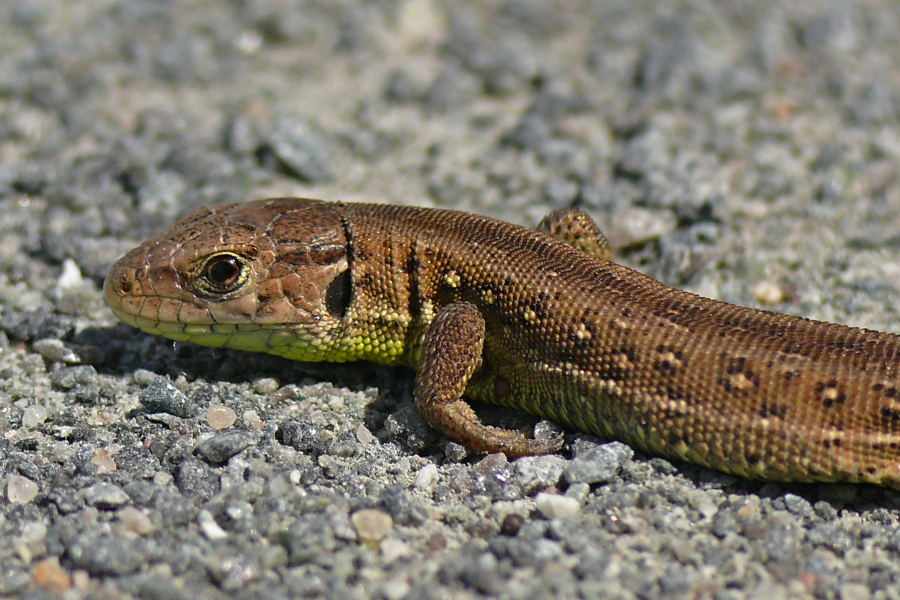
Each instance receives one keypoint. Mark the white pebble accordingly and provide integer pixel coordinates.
(55, 351)
(264, 386)
(220, 417)
(392, 549)
(70, 276)
(363, 435)
(426, 477)
(421, 21)
(21, 490)
(103, 461)
(209, 527)
(554, 506)
(144, 377)
(372, 525)
(33, 416)
(252, 420)
(135, 520)
(33, 531)
(767, 292)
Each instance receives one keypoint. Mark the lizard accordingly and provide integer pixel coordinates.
(538, 320)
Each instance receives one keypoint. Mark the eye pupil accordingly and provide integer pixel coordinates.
(224, 271)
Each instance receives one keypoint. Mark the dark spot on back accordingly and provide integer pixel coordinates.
(772, 410)
(890, 413)
(412, 270)
(737, 365)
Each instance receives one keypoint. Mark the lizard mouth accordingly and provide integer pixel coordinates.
(160, 316)
(123, 293)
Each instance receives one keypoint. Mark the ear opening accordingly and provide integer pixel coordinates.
(338, 294)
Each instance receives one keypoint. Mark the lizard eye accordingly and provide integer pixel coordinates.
(223, 273)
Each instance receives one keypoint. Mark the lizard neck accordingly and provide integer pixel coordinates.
(382, 310)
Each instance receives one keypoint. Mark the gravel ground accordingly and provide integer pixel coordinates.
(747, 151)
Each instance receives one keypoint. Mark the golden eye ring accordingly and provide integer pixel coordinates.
(223, 273)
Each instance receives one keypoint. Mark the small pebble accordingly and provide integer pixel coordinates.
(223, 446)
(280, 486)
(454, 452)
(300, 149)
(420, 21)
(81, 580)
(599, 464)
(135, 520)
(855, 591)
(767, 292)
(252, 420)
(511, 524)
(55, 351)
(162, 396)
(33, 532)
(436, 541)
(288, 392)
(144, 377)
(363, 435)
(33, 416)
(491, 462)
(554, 506)
(162, 478)
(392, 549)
(220, 417)
(105, 495)
(634, 225)
(701, 501)
(372, 525)
(395, 589)
(21, 490)
(578, 491)
(103, 461)
(426, 477)
(209, 527)
(264, 386)
(70, 277)
(537, 473)
(49, 575)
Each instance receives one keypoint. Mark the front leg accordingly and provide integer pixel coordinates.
(451, 353)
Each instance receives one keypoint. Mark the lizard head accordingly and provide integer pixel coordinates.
(269, 276)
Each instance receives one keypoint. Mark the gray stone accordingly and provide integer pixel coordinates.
(223, 446)
(301, 149)
(161, 396)
(536, 473)
(598, 465)
(105, 496)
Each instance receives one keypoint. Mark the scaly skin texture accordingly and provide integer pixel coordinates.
(539, 321)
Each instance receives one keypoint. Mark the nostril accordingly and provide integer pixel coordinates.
(125, 286)
(122, 282)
